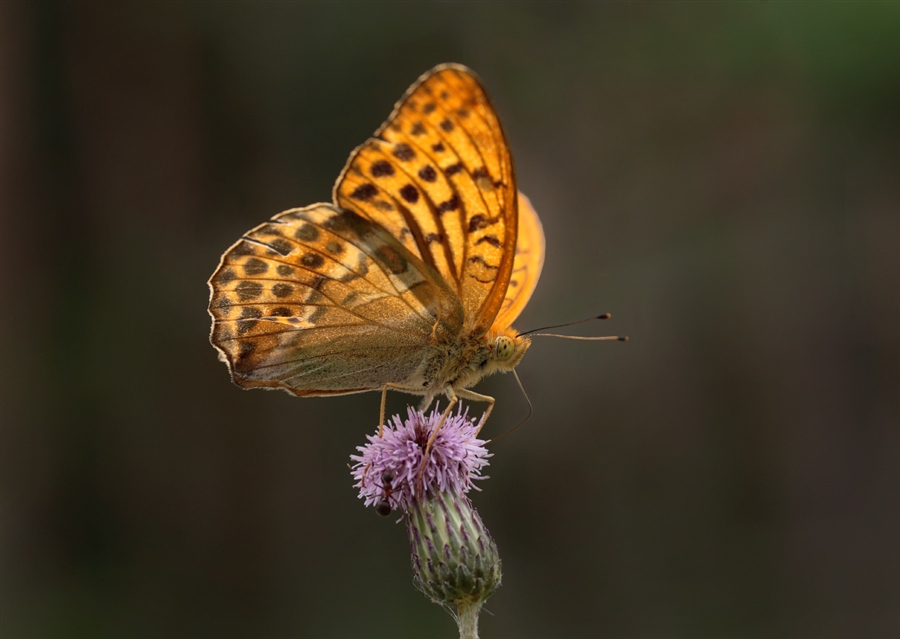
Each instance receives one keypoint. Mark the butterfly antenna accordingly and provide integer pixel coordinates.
(527, 417)
(604, 316)
(607, 338)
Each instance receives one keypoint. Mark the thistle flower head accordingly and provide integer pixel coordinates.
(454, 560)
(387, 469)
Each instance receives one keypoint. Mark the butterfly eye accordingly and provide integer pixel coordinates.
(505, 348)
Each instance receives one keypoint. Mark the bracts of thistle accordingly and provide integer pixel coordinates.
(455, 562)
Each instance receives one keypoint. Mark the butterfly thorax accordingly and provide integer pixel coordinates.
(473, 357)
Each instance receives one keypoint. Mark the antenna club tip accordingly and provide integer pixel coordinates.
(604, 316)
(623, 339)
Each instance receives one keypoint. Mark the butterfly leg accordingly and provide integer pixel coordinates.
(384, 403)
(381, 419)
(465, 393)
(454, 400)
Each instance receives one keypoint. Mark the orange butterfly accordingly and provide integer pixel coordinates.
(410, 280)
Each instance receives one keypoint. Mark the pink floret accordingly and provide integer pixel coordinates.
(387, 467)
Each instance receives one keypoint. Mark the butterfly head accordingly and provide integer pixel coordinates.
(507, 350)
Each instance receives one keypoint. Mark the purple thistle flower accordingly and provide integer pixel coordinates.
(387, 469)
(454, 560)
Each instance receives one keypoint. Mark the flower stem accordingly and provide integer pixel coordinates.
(467, 618)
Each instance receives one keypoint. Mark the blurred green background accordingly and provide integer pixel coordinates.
(724, 179)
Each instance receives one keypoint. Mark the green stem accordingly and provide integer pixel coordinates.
(467, 618)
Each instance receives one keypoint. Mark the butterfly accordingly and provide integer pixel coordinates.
(409, 279)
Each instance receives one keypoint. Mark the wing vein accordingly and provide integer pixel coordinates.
(394, 294)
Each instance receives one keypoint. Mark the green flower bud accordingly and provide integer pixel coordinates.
(454, 559)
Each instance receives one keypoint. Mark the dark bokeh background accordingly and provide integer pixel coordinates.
(722, 178)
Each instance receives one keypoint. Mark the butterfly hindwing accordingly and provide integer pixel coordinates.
(439, 176)
(322, 301)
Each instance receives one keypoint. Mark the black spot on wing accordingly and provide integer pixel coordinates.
(427, 173)
(280, 246)
(248, 319)
(392, 259)
(489, 239)
(344, 224)
(248, 290)
(282, 289)
(223, 277)
(450, 205)
(404, 152)
(477, 222)
(271, 229)
(246, 348)
(410, 193)
(243, 248)
(364, 192)
(255, 266)
(307, 233)
(381, 168)
(312, 260)
(477, 259)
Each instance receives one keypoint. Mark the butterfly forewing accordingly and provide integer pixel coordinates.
(320, 301)
(439, 177)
